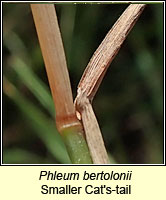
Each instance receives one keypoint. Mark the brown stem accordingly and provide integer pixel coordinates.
(94, 74)
(53, 53)
(55, 62)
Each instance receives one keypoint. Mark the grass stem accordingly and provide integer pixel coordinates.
(55, 62)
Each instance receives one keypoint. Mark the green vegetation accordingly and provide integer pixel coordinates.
(128, 105)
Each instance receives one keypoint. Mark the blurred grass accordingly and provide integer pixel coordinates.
(128, 105)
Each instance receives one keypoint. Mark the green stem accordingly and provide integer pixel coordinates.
(76, 146)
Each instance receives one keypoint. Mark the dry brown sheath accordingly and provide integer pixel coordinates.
(94, 74)
(55, 63)
(107, 50)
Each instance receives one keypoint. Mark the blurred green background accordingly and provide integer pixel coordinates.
(128, 105)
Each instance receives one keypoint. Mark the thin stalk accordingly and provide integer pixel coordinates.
(55, 62)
